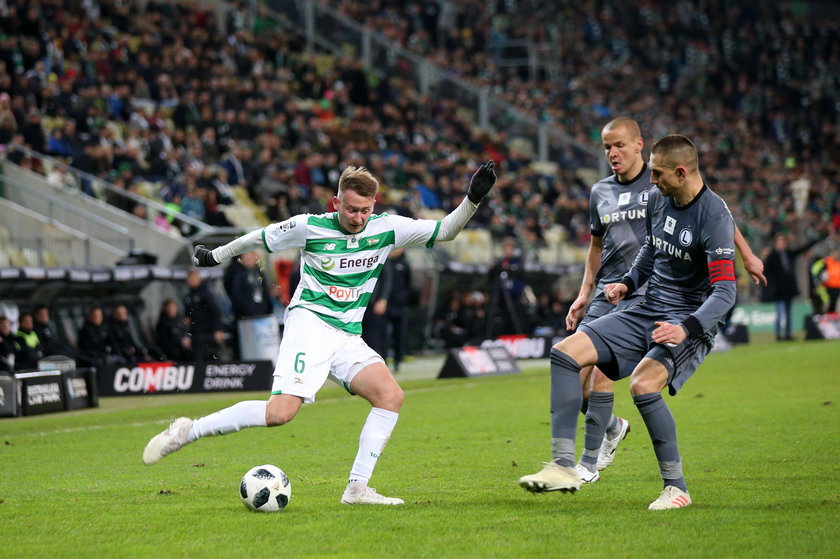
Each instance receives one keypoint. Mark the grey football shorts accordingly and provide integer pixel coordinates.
(601, 307)
(622, 339)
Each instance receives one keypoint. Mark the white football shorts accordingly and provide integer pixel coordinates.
(312, 351)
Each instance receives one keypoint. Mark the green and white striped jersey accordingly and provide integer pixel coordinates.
(338, 270)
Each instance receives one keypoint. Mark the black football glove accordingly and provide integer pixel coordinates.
(481, 183)
(203, 258)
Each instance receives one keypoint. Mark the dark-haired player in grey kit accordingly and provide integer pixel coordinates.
(688, 263)
(617, 217)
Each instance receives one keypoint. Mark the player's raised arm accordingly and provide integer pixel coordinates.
(480, 184)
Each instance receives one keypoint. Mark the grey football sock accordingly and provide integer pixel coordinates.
(613, 427)
(566, 397)
(663, 434)
(600, 411)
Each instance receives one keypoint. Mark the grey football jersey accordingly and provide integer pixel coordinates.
(617, 214)
(688, 259)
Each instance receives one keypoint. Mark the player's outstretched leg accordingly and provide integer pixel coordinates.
(182, 431)
(560, 474)
(171, 439)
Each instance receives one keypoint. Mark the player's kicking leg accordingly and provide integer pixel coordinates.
(278, 410)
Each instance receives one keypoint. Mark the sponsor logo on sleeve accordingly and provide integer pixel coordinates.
(286, 226)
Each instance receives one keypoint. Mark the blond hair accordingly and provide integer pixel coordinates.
(359, 180)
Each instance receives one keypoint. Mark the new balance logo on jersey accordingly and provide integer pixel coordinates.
(358, 262)
(625, 215)
(671, 250)
(346, 294)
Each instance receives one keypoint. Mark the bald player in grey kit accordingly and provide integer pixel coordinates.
(688, 264)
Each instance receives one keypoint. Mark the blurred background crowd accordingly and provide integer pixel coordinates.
(205, 108)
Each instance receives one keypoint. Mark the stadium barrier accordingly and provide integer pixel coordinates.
(822, 327)
(471, 361)
(169, 377)
(522, 346)
(48, 391)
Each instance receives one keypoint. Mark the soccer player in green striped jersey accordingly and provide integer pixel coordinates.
(342, 255)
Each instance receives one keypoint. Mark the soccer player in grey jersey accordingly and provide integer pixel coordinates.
(617, 208)
(687, 261)
(342, 255)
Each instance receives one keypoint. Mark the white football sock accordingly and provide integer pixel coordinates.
(375, 434)
(250, 413)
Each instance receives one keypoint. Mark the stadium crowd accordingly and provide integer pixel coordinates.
(180, 107)
(176, 107)
(166, 105)
(751, 81)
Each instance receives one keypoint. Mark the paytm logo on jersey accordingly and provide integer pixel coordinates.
(345, 294)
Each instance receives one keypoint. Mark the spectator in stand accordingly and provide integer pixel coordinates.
(782, 285)
(375, 321)
(51, 343)
(7, 346)
(27, 345)
(403, 296)
(172, 332)
(95, 345)
(124, 340)
(202, 314)
(248, 291)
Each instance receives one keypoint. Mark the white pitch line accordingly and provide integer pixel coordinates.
(339, 400)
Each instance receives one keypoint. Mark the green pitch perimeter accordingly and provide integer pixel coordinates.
(758, 431)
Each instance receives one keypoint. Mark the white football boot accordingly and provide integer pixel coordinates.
(167, 442)
(585, 475)
(552, 478)
(609, 446)
(358, 493)
(672, 497)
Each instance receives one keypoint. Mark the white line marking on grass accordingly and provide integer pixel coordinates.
(335, 400)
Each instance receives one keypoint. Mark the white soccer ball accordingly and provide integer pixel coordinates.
(265, 488)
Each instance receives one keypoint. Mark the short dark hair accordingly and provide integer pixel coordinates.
(676, 149)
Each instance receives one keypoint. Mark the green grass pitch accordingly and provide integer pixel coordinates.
(759, 435)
